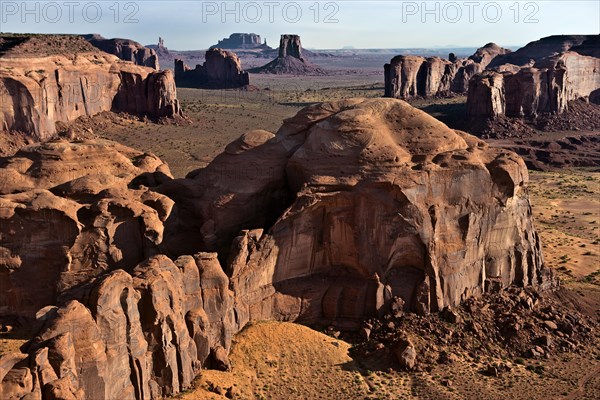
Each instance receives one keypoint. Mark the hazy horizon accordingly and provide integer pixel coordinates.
(194, 25)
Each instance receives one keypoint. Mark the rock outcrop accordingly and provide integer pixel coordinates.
(549, 46)
(221, 70)
(371, 213)
(289, 60)
(408, 76)
(138, 335)
(242, 41)
(36, 92)
(67, 215)
(352, 206)
(528, 92)
(125, 49)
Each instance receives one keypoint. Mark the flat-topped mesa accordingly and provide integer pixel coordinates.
(290, 45)
(125, 49)
(36, 92)
(241, 41)
(221, 70)
(408, 76)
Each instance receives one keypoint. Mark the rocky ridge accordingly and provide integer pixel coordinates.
(408, 76)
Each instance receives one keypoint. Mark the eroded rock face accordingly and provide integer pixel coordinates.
(67, 215)
(549, 46)
(36, 93)
(409, 76)
(221, 70)
(142, 335)
(386, 202)
(546, 87)
(125, 49)
(290, 45)
(372, 204)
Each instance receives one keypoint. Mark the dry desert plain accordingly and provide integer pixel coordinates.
(273, 360)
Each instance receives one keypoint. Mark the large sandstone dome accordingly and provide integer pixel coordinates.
(362, 201)
(350, 207)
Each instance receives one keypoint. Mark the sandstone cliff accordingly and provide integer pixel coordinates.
(125, 49)
(349, 205)
(36, 92)
(410, 76)
(221, 70)
(546, 87)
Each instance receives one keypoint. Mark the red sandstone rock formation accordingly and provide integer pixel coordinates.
(410, 76)
(527, 92)
(221, 70)
(66, 216)
(289, 60)
(37, 92)
(372, 200)
(125, 49)
(338, 160)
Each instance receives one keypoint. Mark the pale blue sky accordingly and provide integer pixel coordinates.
(363, 24)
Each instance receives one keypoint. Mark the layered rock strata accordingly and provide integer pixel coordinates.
(36, 93)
